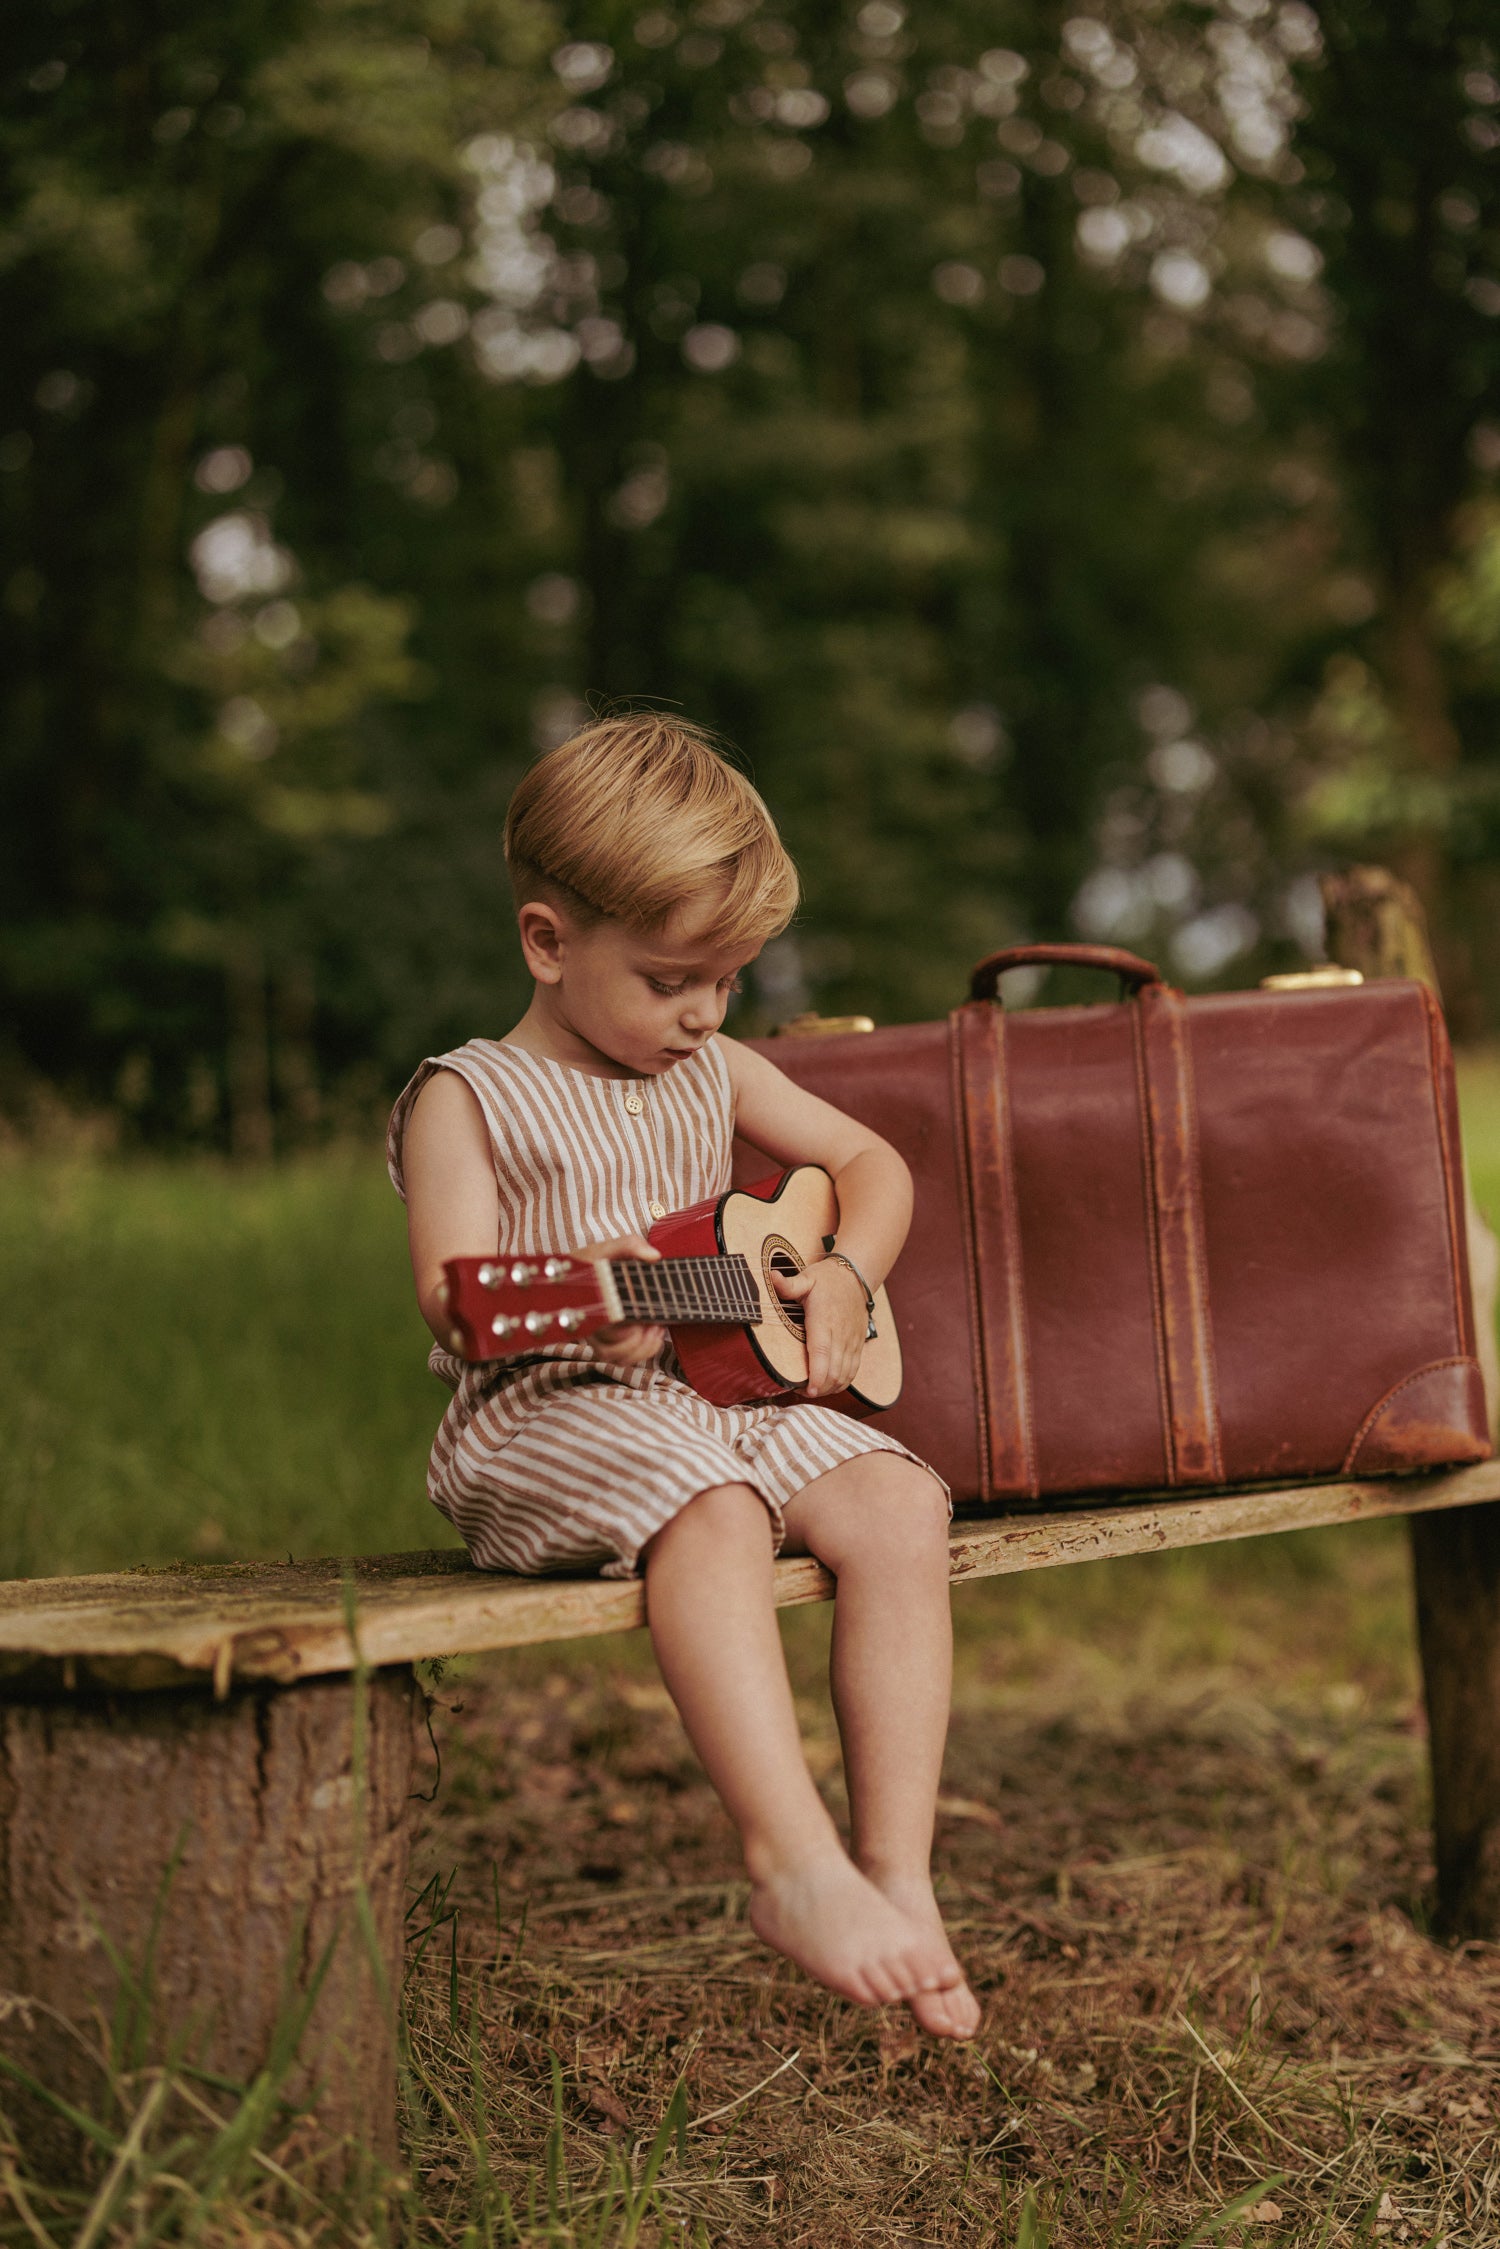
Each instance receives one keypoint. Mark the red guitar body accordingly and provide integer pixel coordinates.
(738, 1366)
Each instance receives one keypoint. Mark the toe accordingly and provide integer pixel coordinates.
(886, 1983)
(936, 1970)
(930, 2011)
(953, 2013)
(915, 1973)
(965, 2011)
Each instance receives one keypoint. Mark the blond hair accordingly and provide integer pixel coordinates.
(636, 815)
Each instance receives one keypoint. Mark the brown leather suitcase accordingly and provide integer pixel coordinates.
(1166, 1242)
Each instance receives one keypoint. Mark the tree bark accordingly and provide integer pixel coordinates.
(219, 1848)
(1416, 673)
(1375, 924)
(1418, 684)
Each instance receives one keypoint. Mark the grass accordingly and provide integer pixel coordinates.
(207, 1362)
(1479, 1105)
(1182, 1841)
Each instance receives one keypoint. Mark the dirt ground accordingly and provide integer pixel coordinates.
(1184, 1854)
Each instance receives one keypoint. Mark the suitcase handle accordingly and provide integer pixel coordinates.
(1132, 971)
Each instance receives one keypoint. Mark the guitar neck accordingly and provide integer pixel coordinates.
(690, 1291)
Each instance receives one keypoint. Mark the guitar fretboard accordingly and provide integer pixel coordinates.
(694, 1290)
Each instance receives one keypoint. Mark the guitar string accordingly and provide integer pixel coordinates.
(696, 1289)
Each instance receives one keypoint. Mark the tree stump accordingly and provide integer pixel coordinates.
(1375, 924)
(219, 1846)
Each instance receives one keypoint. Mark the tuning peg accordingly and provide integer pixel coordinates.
(504, 1324)
(490, 1276)
(536, 1322)
(456, 1342)
(555, 1268)
(571, 1319)
(521, 1273)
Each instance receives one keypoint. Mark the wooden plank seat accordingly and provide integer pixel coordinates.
(235, 1624)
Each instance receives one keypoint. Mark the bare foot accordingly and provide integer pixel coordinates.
(951, 2011)
(834, 1923)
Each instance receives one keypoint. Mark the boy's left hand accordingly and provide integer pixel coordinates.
(628, 1345)
(833, 1305)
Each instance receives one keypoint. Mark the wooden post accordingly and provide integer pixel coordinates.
(1456, 1568)
(1375, 924)
(243, 1828)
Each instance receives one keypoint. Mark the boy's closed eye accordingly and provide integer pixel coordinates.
(730, 984)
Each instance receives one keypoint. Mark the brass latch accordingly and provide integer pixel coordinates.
(812, 1026)
(1325, 979)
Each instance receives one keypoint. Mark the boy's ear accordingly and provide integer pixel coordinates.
(543, 933)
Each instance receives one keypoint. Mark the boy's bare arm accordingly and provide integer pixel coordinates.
(875, 1196)
(453, 1206)
(452, 1203)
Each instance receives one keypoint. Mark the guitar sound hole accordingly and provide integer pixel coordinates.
(788, 1268)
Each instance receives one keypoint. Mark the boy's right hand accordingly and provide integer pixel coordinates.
(629, 1346)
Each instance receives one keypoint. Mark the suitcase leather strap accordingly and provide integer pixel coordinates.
(997, 1327)
(1184, 1334)
(1188, 1384)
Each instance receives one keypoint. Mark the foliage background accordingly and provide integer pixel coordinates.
(1059, 448)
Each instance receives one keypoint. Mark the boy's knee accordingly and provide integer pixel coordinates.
(895, 1516)
(721, 1512)
(890, 1479)
(736, 1503)
(914, 1507)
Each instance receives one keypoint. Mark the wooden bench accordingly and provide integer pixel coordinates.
(242, 1736)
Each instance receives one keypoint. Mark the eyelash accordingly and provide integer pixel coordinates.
(731, 984)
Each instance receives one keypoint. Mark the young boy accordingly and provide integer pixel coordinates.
(647, 874)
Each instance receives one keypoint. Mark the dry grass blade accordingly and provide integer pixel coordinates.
(126, 2156)
(697, 2123)
(13, 2186)
(1209, 2229)
(1271, 2131)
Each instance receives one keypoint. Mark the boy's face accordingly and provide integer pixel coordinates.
(643, 1001)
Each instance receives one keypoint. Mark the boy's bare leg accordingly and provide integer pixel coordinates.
(710, 1602)
(880, 1525)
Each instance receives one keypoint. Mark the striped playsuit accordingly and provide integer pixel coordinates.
(571, 1458)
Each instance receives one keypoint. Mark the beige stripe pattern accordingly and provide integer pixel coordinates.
(571, 1459)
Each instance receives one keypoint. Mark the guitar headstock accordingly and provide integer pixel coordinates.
(499, 1307)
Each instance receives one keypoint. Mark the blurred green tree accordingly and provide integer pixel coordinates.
(1407, 220)
(225, 496)
(923, 453)
(1009, 426)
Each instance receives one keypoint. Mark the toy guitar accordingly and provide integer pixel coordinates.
(736, 1340)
